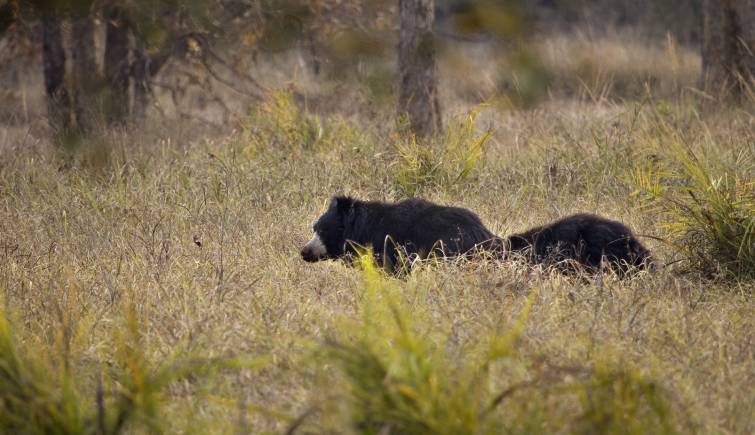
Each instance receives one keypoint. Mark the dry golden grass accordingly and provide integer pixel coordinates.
(192, 246)
(614, 67)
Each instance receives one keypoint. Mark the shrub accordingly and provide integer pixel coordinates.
(708, 204)
(41, 390)
(416, 166)
(278, 123)
(401, 373)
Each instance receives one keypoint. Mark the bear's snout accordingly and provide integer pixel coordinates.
(306, 255)
(314, 250)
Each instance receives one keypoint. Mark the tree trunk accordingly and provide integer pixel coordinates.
(85, 74)
(728, 50)
(745, 9)
(141, 76)
(7, 17)
(418, 93)
(313, 51)
(144, 67)
(54, 64)
(116, 65)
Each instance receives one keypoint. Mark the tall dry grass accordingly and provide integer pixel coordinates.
(150, 279)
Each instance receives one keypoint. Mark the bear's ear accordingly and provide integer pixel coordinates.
(343, 204)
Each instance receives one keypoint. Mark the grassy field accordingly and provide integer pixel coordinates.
(151, 281)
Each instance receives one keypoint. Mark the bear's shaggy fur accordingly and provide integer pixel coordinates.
(583, 238)
(419, 228)
(414, 227)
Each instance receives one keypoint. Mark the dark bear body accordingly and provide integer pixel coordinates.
(419, 228)
(414, 227)
(585, 238)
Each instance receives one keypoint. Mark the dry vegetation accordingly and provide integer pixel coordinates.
(150, 279)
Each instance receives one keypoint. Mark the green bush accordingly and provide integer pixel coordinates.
(42, 391)
(400, 372)
(416, 166)
(278, 123)
(708, 204)
(621, 401)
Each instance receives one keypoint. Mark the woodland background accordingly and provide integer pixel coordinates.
(161, 163)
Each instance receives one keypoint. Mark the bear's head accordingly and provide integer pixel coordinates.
(329, 238)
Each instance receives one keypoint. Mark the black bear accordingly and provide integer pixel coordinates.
(583, 238)
(419, 228)
(414, 227)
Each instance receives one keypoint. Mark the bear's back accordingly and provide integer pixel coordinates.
(419, 227)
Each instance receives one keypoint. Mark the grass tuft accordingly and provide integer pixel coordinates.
(279, 123)
(418, 166)
(708, 204)
(42, 392)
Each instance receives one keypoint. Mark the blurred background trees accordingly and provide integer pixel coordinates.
(54, 61)
(728, 46)
(103, 60)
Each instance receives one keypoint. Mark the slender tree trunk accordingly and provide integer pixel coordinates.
(54, 64)
(87, 80)
(312, 34)
(141, 76)
(144, 67)
(116, 65)
(7, 16)
(745, 9)
(418, 93)
(728, 50)
(313, 51)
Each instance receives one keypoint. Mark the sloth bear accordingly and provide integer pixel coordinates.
(583, 238)
(419, 228)
(414, 227)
